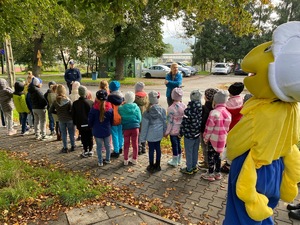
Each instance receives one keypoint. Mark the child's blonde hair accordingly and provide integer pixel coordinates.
(103, 85)
(53, 88)
(61, 92)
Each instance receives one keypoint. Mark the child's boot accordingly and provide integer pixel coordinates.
(150, 168)
(173, 161)
(143, 146)
(157, 166)
(179, 159)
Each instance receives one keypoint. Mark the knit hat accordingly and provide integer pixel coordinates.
(101, 95)
(51, 83)
(82, 91)
(19, 86)
(221, 97)
(195, 95)
(36, 81)
(114, 85)
(247, 97)
(236, 88)
(129, 97)
(153, 97)
(75, 85)
(209, 94)
(177, 94)
(139, 86)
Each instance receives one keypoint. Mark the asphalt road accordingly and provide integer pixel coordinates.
(189, 84)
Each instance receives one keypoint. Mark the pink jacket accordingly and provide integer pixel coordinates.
(174, 118)
(217, 127)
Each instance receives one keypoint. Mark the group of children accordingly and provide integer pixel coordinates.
(115, 121)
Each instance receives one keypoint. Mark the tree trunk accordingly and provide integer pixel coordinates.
(9, 61)
(36, 69)
(64, 60)
(119, 75)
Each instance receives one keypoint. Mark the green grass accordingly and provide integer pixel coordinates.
(21, 182)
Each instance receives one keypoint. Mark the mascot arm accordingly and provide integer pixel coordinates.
(239, 138)
(291, 175)
(256, 204)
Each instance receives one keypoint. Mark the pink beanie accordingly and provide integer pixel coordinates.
(177, 94)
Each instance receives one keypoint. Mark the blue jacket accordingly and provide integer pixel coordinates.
(100, 129)
(72, 75)
(154, 124)
(173, 83)
(131, 116)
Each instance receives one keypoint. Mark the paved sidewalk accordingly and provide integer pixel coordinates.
(195, 198)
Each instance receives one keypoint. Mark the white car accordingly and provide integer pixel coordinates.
(221, 68)
(159, 71)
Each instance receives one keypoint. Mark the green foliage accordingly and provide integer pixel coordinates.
(21, 181)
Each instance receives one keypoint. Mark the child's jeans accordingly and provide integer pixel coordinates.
(214, 159)
(131, 134)
(64, 126)
(154, 146)
(176, 147)
(23, 120)
(99, 142)
(9, 120)
(191, 147)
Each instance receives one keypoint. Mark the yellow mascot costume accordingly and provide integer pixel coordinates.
(262, 145)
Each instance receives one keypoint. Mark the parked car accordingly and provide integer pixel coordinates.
(159, 71)
(184, 71)
(221, 68)
(193, 69)
(238, 70)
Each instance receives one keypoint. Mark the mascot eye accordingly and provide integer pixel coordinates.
(268, 49)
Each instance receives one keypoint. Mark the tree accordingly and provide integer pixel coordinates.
(169, 49)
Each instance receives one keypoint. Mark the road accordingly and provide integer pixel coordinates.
(189, 84)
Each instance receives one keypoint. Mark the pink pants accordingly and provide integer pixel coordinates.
(132, 134)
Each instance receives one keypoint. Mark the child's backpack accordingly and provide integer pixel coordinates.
(117, 117)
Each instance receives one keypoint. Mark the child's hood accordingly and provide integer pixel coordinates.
(107, 105)
(156, 111)
(19, 88)
(61, 100)
(3, 84)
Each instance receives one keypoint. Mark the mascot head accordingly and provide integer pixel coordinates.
(274, 66)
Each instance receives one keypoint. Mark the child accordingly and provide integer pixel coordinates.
(21, 106)
(130, 118)
(141, 99)
(50, 117)
(174, 118)
(116, 98)
(74, 93)
(30, 118)
(100, 121)
(63, 106)
(206, 108)
(153, 128)
(51, 97)
(215, 134)
(234, 106)
(80, 113)
(39, 105)
(190, 129)
(103, 85)
(7, 105)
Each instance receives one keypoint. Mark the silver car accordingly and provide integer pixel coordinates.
(184, 71)
(159, 71)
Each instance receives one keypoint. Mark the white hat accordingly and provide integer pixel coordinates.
(284, 75)
(129, 97)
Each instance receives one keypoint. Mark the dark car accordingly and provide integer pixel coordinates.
(238, 70)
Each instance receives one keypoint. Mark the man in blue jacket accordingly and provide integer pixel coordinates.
(72, 74)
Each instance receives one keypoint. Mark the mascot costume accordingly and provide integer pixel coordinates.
(262, 145)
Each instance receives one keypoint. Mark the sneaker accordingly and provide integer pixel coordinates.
(100, 164)
(107, 162)
(114, 155)
(38, 137)
(185, 171)
(125, 162)
(25, 133)
(218, 176)
(45, 138)
(120, 151)
(208, 176)
(134, 161)
(64, 150)
(84, 155)
(225, 168)
(90, 153)
(72, 149)
(195, 170)
(150, 168)
(12, 132)
(203, 165)
(53, 133)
